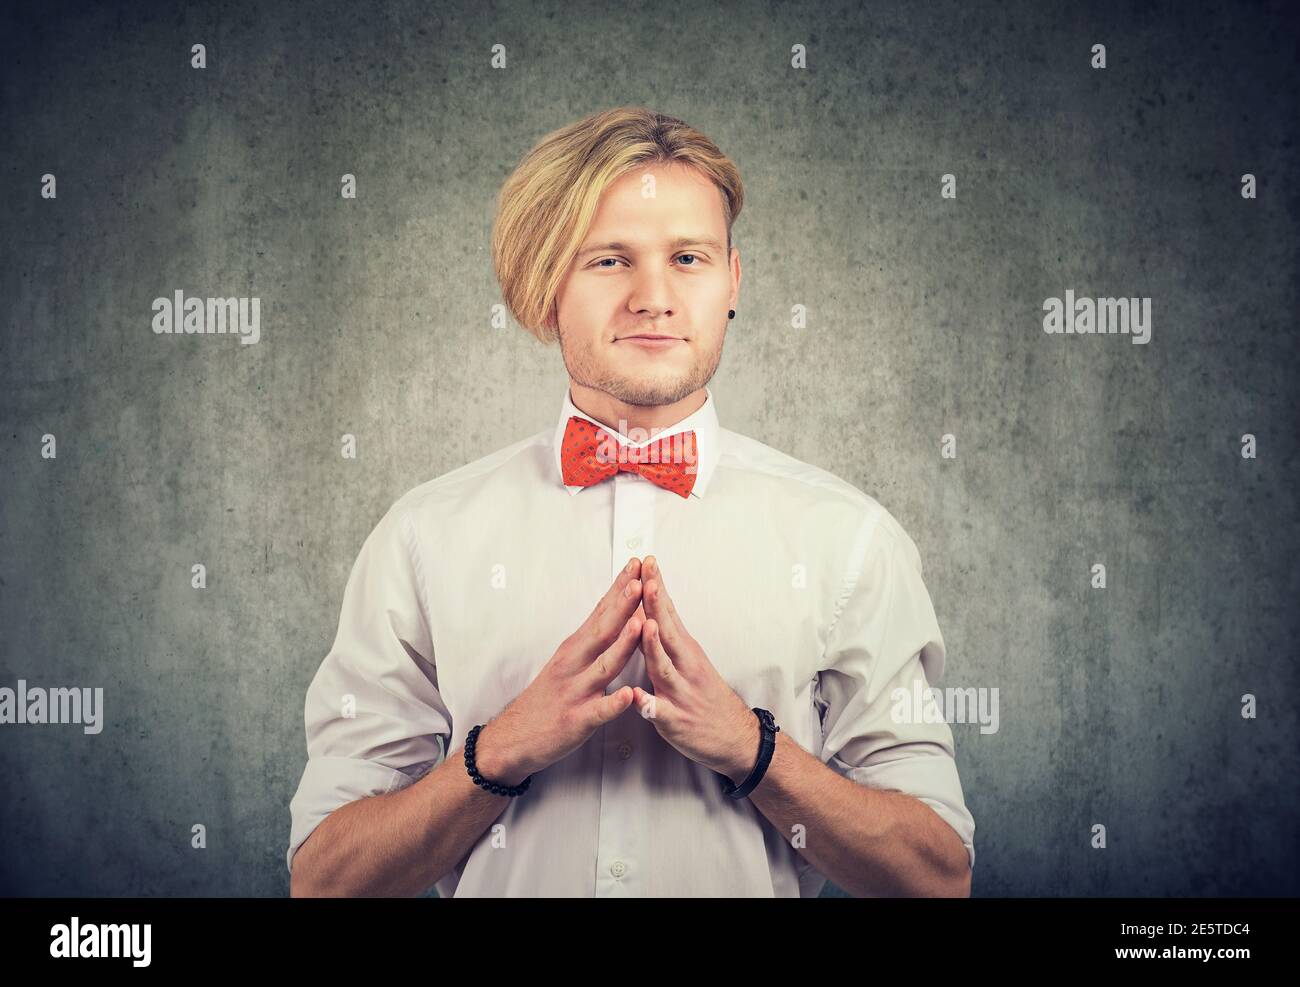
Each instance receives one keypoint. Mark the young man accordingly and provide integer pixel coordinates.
(635, 654)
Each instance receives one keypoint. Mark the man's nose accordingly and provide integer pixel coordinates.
(651, 294)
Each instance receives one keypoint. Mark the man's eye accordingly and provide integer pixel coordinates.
(600, 262)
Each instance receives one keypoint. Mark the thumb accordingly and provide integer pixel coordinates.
(649, 705)
(608, 707)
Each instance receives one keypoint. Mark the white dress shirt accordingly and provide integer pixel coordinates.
(804, 592)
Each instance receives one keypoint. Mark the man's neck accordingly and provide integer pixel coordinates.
(611, 412)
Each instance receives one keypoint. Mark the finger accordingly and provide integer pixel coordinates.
(650, 706)
(611, 661)
(605, 708)
(659, 606)
(585, 643)
(658, 663)
(630, 571)
(602, 629)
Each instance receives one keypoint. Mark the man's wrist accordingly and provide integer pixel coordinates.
(494, 759)
(745, 755)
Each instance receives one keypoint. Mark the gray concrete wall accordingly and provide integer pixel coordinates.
(1119, 707)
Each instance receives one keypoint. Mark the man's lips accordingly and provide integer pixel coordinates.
(651, 341)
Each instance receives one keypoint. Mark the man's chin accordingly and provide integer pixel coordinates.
(650, 391)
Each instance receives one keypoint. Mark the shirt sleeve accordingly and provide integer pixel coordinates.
(375, 719)
(886, 638)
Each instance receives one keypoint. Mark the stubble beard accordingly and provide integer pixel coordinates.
(650, 391)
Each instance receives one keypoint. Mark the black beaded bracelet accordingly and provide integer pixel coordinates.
(491, 786)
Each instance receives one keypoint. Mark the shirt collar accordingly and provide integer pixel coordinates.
(703, 421)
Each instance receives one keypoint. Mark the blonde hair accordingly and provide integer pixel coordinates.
(546, 206)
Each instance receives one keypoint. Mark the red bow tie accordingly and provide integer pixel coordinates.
(590, 454)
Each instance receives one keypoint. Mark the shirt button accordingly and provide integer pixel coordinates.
(618, 868)
(633, 542)
(625, 751)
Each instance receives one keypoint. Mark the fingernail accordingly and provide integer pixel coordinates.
(627, 591)
(630, 563)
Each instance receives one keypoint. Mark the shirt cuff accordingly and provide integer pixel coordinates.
(930, 777)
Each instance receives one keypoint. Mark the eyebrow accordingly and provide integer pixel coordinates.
(681, 241)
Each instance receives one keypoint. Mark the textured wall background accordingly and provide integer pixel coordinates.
(1119, 706)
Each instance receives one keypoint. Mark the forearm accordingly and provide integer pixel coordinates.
(867, 841)
(398, 845)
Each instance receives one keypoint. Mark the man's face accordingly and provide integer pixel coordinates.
(654, 262)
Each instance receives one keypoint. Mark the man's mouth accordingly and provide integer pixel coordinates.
(651, 340)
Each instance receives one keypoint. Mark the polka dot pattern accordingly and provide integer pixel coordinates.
(590, 454)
